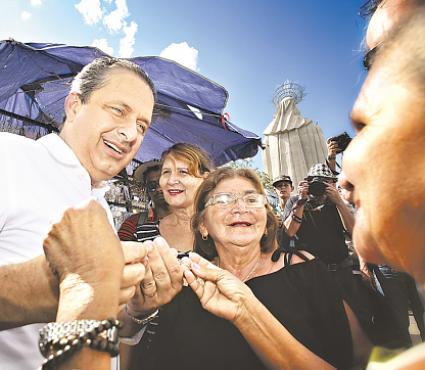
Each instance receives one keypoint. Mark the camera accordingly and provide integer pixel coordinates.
(316, 187)
(342, 141)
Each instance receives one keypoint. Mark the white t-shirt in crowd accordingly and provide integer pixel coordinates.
(39, 180)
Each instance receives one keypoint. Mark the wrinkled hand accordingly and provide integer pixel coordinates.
(85, 254)
(303, 189)
(84, 244)
(333, 194)
(163, 278)
(219, 292)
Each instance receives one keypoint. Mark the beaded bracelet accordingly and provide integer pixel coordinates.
(63, 339)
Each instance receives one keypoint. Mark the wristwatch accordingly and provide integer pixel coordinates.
(54, 334)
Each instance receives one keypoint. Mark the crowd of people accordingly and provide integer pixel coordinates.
(211, 277)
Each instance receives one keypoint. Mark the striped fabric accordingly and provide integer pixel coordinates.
(147, 231)
(128, 228)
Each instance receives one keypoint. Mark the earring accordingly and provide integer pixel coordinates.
(204, 237)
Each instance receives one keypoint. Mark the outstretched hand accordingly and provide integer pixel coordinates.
(219, 292)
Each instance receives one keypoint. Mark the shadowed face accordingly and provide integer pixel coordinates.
(154, 190)
(386, 164)
(283, 189)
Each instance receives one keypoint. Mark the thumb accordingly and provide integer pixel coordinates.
(208, 271)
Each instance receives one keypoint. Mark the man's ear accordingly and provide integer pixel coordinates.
(72, 105)
(205, 174)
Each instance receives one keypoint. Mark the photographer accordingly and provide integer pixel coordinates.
(319, 217)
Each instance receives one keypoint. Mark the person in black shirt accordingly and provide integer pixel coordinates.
(319, 218)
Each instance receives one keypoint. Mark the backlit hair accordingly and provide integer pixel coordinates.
(198, 160)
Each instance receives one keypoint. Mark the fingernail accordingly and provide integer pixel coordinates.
(196, 267)
(160, 241)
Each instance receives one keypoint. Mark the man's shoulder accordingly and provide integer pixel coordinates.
(17, 146)
(14, 139)
(17, 149)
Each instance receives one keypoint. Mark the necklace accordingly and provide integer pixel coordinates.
(250, 272)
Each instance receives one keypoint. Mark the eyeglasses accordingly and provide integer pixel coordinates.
(152, 185)
(223, 200)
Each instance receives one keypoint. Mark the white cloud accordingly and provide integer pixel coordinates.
(90, 10)
(35, 2)
(115, 20)
(102, 44)
(128, 41)
(25, 15)
(183, 54)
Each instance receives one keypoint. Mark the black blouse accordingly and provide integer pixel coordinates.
(303, 297)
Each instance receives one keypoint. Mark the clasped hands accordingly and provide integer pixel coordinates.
(93, 265)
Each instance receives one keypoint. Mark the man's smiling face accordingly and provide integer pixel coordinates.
(106, 132)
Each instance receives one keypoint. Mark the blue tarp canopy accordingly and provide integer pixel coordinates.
(36, 77)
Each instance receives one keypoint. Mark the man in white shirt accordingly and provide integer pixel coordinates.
(108, 112)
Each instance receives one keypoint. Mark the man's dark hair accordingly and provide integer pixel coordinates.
(94, 76)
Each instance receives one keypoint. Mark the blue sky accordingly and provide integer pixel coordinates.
(249, 47)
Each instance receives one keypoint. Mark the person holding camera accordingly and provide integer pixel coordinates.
(318, 220)
(319, 217)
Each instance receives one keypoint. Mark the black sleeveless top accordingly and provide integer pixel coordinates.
(303, 297)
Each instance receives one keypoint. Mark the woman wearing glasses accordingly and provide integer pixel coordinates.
(243, 310)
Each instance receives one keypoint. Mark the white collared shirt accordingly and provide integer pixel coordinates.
(38, 181)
